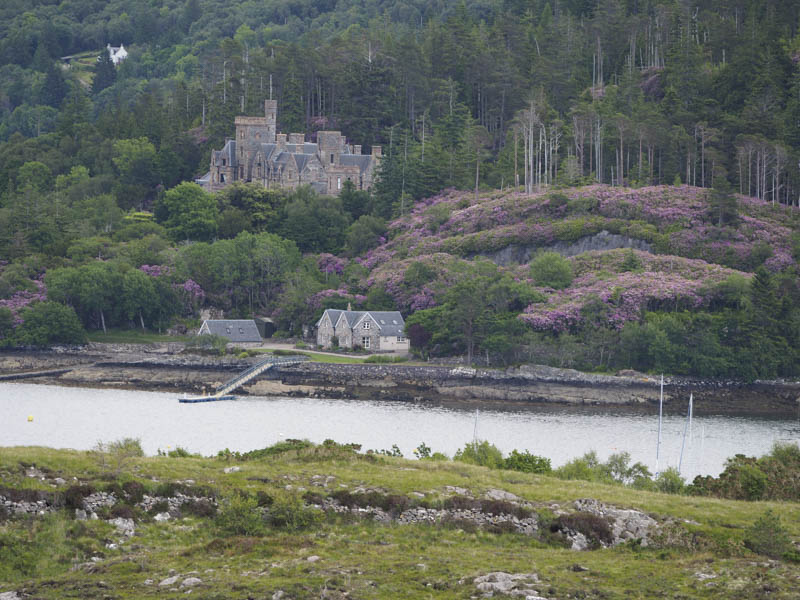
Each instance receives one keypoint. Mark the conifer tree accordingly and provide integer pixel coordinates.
(105, 73)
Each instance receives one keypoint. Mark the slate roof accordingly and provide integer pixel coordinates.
(234, 330)
(389, 322)
(228, 152)
(361, 161)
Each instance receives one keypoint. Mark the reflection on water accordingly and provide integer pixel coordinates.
(79, 418)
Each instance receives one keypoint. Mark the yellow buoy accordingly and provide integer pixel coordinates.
(30, 418)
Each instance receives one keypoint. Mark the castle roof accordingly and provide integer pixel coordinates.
(362, 161)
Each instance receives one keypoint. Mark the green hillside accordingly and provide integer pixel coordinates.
(302, 521)
(665, 137)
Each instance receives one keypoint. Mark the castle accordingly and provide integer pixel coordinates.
(260, 154)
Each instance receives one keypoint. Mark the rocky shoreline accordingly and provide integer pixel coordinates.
(163, 367)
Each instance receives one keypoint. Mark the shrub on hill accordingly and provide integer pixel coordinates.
(775, 476)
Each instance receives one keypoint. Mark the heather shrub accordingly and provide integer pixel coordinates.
(121, 510)
(198, 508)
(596, 529)
(134, 491)
(74, 495)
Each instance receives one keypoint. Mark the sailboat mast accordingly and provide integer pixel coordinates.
(475, 430)
(685, 431)
(660, 414)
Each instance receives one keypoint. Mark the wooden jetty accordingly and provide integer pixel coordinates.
(223, 392)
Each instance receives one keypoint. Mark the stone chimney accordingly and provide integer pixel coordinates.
(376, 151)
(297, 138)
(357, 149)
(349, 307)
(280, 140)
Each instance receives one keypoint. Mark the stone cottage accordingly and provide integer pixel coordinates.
(236, 330)
(259, 154)
(376, 331)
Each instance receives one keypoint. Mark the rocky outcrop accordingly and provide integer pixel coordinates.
(519, 254)
(626, 524)
(518, 585)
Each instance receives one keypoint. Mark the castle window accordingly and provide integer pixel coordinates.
(222, 178)
(338, 183)
(224, 162)
(331, 158)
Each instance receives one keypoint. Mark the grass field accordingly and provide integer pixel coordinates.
(133, 336)
(700, 555)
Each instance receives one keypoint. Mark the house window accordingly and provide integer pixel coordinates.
(241, 331)
(400, 338)
(228, 330)
(365, 342)
(366, 324)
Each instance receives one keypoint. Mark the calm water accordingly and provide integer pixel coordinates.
(79, 418)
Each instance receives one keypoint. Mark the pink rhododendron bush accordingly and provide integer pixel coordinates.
(674, 220)
(654, 283)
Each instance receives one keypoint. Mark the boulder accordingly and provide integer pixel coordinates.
(169, 581)
(124, 527)
(502, 495)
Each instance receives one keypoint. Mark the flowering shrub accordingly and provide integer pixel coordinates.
(24, 298)
(664, 283)
(328, 298)
(673, 219)
(156, 270)
(330, 264)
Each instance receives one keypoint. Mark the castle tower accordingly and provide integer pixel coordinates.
(330, 147)
(251, 132)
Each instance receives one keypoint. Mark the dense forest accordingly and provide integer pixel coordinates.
(527, 97)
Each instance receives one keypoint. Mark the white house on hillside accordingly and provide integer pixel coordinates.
(376, 331)
(117, 53)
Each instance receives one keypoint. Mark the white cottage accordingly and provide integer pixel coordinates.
(117, 53)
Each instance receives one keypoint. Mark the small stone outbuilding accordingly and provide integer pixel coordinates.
(238, 331)
(376, 331)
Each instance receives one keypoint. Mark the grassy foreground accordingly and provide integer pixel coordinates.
(306, 553)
